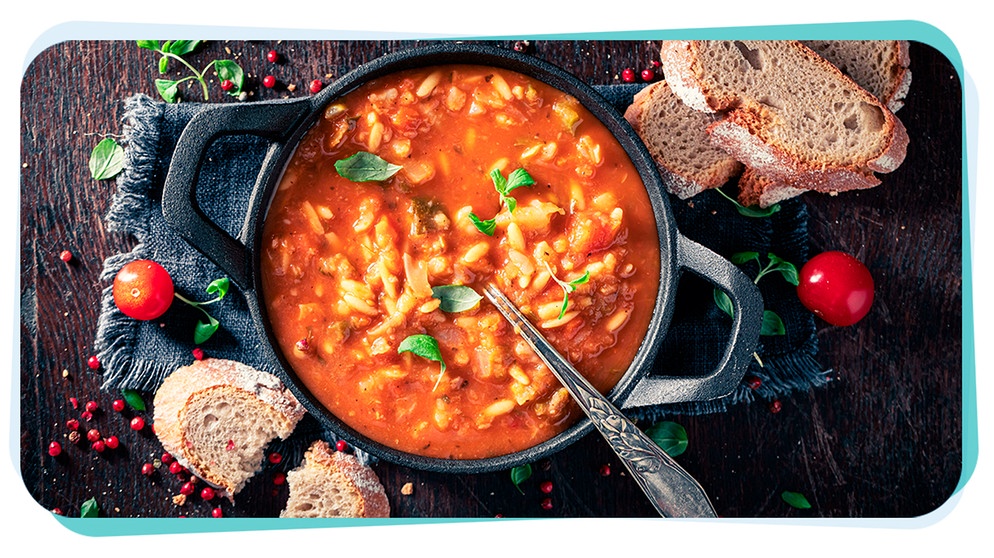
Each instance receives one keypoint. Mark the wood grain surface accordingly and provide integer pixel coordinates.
(883, 439)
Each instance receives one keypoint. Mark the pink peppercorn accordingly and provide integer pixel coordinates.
(198, 353)
(137, 423)
(216, 512)
(54, 449)
(118, 405)
(316, 86)
(112, 442)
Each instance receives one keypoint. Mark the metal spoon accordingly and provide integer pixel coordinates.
(672, 491)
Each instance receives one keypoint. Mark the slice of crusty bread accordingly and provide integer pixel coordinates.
(217, 416)
(792, 115)
(880, 67)
(676, 137)
(334, 484)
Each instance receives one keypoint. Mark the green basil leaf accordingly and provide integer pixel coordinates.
(150, 45)
(456, 298)
(168, 89)
(510, 202)
(787, 270)
(365, 167)
(486, 227)
(517, 179)
(180, 48)
(219, 287)
(723, 302)
(740, 258)
(163, 65)
(134, 399)
(796, 500)
(424, 346)
(669, 436)
(106, 159)
(500, 183)
(228, 69)
(89, 509)
(772, 324)
(520, 474)
(203, 331)
(755, 212)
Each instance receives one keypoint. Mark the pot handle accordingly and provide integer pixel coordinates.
(274, 121)
(747, 303)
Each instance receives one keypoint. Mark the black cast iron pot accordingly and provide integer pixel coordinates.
(283, 123)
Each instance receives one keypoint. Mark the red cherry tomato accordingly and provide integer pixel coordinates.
(836, 287)
(143, 290)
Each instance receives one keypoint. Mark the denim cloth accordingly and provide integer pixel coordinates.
(138, 355)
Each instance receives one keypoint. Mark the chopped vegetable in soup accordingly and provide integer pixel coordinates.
(403, 201)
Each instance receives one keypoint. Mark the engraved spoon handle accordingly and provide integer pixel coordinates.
(672, 491)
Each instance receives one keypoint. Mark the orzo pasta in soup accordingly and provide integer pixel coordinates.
(403, 201)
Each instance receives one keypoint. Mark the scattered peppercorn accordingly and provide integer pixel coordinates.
(341, 445)
(72, 424)
(65, 256)
(775, 406)
(546, 503)
(58, 511)
(648, 74)
(137, 423)
(86, 415)
(628, 75)
(279, 477)
(545, 487)
(656, 64)
(273, 56)
(112, 442)
(316, 85)
(93, 435)
(227, 85)
(275, 458)
(605, 470)
(99, 446)
(92, 406)
(74, 436)
(216, 512)
(753, 382)
(54, 449)
(186, 489)
(74, 402)
(166, 458)
(207, 494)
(148, 469)
(93, 362)
(522, 46)
(117, 405)
(198, 353)
(269, 82)
(175, 468)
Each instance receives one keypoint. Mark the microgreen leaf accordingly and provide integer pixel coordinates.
(740, 258)
(228, 69)
(150, 45)
(89, 509)
(520, 474)
(772, 324)
(796, 500)
(786, 269)
(204, 330)
(669, 436)
(510, 202)
(219, 287)
(500, 183)
(456, 298)
(163, 65)
(134, 399)
(365, 167)
(486, 227)
(581, 280)
(518, 178)
(168, 89)
(724, 302)
(752, 211)
(180, 48)
(106, 159)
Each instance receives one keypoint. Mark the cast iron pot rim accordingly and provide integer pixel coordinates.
(456, 53)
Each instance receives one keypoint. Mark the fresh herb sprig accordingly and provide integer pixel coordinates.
(424, 346)
(175, 50)
(567, 286)
(772, 323)
(751, 211)
(204, 330)
(504, 186)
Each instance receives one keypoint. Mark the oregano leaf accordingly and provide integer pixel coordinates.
(487, 227)
(669, 436)
(106, 159)
(520, 474)
(424, 346)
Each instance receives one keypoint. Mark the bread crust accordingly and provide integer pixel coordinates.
(367, 496)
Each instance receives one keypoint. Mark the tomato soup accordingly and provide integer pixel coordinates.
(404, 200)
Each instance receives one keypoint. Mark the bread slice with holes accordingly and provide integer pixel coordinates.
(676, 137)
(880, 67)
(217, 416)
(334, 484)
(791, 115)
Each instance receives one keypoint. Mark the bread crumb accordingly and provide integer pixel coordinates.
(179, 499)
(407, 489)
(291, 88)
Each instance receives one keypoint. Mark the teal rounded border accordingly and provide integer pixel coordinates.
(877, 30)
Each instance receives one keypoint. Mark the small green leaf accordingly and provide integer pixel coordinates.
(204, 330)
(150, 45)
(723, 302)
(163, 65)
(106, 159)
(486, 227)
(740, 258)
(581, 280)
(510, 202)
(518, 178)
(89, 509)
(168, 89)
(796, 500)
(755, 212)
(134, 399)
(365, 167)
(219, 287)
(228, 69)
(500, 183)
(424, 346)
(180, 48)
(772, 324)
(787, 269)
(669, 436)
(520, 474)
(456, 298)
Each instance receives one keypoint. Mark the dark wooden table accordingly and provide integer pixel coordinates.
(883, 439)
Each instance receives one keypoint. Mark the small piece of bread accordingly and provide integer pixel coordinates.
(676, 137)
(792, 116)
(334, 484)
(880, 67)
(216, 417)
